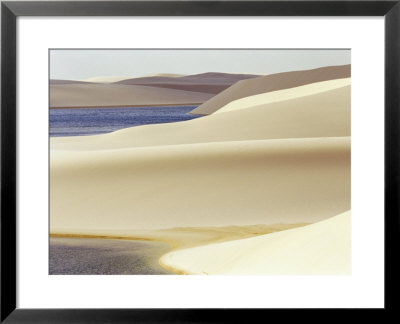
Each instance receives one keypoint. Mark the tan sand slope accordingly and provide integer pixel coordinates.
(284, 95)
(211, 184)
(114, 95)
(206, 82)
(272, 82)
(324, 114)
(317, 249)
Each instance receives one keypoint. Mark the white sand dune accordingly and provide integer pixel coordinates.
(211, 184)
(272, 82)
(325, 114)
(322, 248)
(284, 95)
(114, 95)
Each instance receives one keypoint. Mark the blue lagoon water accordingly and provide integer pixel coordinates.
(91, 121)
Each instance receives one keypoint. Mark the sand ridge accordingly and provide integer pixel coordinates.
(285, 94)
(272, 82)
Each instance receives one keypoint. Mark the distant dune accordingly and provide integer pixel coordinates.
(272, 82)
(117, 95)
(206, 82)
(171, 75)
(144, 91)
(58, 82)
(106, 79)
(317, 249)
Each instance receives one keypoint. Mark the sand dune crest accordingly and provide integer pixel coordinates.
(273, 82)
(284, 95)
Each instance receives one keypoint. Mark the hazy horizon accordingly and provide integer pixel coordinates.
(77, 64)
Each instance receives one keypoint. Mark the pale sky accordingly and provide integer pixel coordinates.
(81, 64)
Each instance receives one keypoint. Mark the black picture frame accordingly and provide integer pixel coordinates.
(10, 10)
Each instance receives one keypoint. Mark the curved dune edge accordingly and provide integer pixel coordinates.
(212, 184)
(283, 95)
(325, 114)
(183, 237)
(272, 82)
(323, 248)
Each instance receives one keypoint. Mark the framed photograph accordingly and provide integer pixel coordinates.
(198, 161)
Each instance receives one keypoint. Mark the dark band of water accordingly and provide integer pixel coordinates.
(82, 256)
(91, 121)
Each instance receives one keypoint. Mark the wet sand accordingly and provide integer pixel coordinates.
(80, 256)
